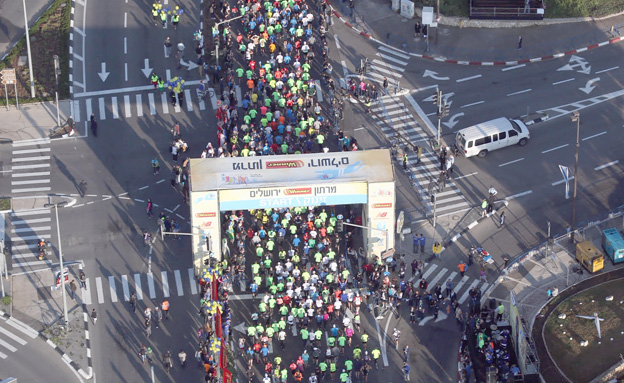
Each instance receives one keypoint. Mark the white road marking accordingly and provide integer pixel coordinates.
(345, 71)
(594, 136)
(319, 91)
(113, 289)
(22, 327)
(76, 110)
(337, 41)
(519, 195)
(451, 277)
(115, 108)
(152, 105)
(466, 175)
(139, 105)
(513, 67)
(34, 174)
(102, 108)
(139, 289)
(89, 108)
(30, 182)
(27, 159)
(438, 277)
(28, 151)
(429, 271)
(469, 78)
(100, 290)
(165, 283)
(606, 70)
(189, 100)
(12, 336)
(150, 285)
(126, 288)
(126, 71)
(178, 279)
(30, 212)
(192, 281)
(607, 165)
(465, 295)
(125, 20)
(511, 162)
(163, 101)
(125, 44)
(29, 221)
(383, 63)
(30, 229)
(558, 147)
(127, 106)
(386, 57)
(519, 92)
(86, 293)
(563, 81)
(562, 181)
(473, 104)
(29, 190)
(7, 346)
(394, 52)
(213, 98)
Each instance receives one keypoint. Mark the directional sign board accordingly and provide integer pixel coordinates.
(8, 76)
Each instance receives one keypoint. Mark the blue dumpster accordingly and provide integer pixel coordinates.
(613, 245)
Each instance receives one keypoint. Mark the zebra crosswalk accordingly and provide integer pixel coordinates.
(435, 274)
(119, 288)
(28, 228)
(390, 64)
(13, 334)
(30, 167)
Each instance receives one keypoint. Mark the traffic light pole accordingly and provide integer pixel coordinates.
(219, 37)
(439, 93)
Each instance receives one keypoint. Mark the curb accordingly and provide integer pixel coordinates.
(535, 121)
(472, 225)
(71, 50)
(66, 357)
(478, 63)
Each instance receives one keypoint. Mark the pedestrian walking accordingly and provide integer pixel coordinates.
(484, 206)
(417, 29)
(437, 249)
(168, 46)
(500, 310)
(94, 316)
(442, 180)
(462, 268)
(165, 308)
(73, 288)
(82, 188)
(148, 328)
(405, 161)
(502, 219)
(83, 280)
(482, 276)
(155, 166)
(422, 241)
(385, 85)
(157, 316)
(418, 153)
(150, 207)
(406, 352)
(449, 287)
(519, 42)
(406, 371)
(415, 247)
(506, 260)
(93, 125)
(181, 99)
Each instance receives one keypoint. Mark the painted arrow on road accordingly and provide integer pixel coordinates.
(589, 86)
(241, 327)
(577, 62)
(441, 316)
(103, 73)
(452, 121)
(147, 71)
(190, 65)
(434, 75)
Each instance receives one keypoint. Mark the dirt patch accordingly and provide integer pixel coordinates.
(564, 336)
(48, 37)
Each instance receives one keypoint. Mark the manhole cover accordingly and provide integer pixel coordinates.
(21, 61)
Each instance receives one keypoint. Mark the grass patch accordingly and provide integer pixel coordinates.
(5, 300)
(554, 8)
(48, 36)
(563, 336)
(583, 8)
(5, 204)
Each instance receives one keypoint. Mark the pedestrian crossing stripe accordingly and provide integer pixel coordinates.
(11, 335)
(394, 52)
(135, 283)
(382, 63)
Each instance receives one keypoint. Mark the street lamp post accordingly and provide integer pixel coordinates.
(576, 117)
(217, 26)
(58, 232)
(56, 73)
(30, 66)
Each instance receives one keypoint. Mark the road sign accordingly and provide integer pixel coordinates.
(58, 276)
(8, 76)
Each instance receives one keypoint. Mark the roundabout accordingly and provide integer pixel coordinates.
(578, 333)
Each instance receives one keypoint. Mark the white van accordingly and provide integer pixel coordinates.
(478, 140)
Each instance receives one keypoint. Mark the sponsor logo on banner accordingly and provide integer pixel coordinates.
(382, 215)
(206, 215)
(384, 205)
(284, 164)
(297, 191)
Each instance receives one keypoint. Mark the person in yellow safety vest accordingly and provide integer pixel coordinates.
(155, 11)
(163, 17)
(175, 18)
(437, 249)
(165, 308)
(154, 80)
(161, 84)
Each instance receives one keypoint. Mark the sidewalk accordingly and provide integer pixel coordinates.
(479, 42)
(31, 121)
